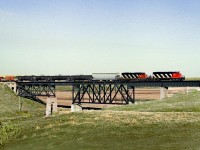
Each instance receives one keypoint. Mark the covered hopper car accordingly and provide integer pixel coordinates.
(105, 76)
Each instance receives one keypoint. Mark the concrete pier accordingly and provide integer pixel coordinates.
(51, 106)
(76, 108)
(163, 92)
(12, 86)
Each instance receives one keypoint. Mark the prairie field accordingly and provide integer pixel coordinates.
(172, 123)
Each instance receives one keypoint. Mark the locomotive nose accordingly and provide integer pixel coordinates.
(178, 75)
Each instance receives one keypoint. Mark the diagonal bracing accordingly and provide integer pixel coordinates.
(102, 93)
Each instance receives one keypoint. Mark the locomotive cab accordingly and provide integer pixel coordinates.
(142, 76)
(178, 76)
(168, 76)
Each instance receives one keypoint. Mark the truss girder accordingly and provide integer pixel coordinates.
(102, 93)
(35, 90)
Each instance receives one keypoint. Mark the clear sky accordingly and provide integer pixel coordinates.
(53, 37)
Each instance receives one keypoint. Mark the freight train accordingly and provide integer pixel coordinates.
(7, 78)
(156, 76)
(125, 76)
(41, 78)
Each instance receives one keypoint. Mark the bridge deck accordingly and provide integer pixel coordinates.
(132, 83)
(97, 91)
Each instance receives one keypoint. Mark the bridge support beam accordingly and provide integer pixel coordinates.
(103, 93)
(31, 91)
(163, 92)
(51, 106)
(131, 92)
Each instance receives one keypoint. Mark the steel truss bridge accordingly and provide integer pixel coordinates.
(103, 92)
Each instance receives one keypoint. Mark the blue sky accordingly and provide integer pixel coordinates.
(85, 36)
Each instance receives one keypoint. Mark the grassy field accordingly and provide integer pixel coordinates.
(172, 123)
(178, 103)
(13, 119)
(193, 78)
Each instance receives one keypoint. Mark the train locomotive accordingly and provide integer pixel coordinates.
(124, 76)
(134, 76)
(156, 76)
(172, 76)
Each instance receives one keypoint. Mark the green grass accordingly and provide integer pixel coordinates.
(108, 130)
(10, 102)
(172, 123)
(179, 103)
(13, 120)
(193, 78)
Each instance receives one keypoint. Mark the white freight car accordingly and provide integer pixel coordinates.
(105, 76)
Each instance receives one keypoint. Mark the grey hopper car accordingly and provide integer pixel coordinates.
(105, 76)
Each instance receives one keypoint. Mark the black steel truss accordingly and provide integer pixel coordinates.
(102, 93)
(35, 90)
